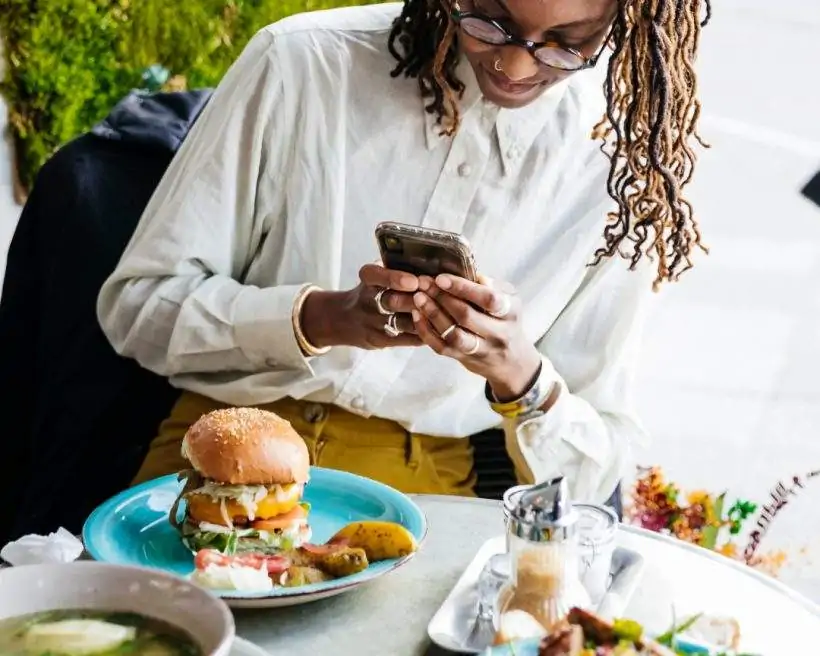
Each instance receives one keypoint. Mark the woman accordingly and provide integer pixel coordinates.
(250, 279)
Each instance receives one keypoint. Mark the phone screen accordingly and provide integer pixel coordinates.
(420, 258)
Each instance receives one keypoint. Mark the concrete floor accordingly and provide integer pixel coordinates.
(729, 384)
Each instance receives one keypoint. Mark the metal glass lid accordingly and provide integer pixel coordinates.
(543, 512)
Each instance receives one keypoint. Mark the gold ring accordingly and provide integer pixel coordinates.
(474, 348)
(377, 299)
(448, 331)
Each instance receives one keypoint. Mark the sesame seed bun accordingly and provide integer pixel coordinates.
(247, 446)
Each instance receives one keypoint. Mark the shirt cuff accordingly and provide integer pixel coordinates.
(540, 433)
(263, 327)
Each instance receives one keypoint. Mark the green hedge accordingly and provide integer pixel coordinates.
(70, 61)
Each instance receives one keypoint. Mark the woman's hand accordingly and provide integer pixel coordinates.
(358, 317)
(479, 325)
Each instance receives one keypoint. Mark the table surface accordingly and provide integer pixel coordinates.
(389, 616)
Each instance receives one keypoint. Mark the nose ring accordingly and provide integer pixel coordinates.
(497, 66)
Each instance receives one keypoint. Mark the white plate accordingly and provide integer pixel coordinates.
(451, 625)
(241, 647)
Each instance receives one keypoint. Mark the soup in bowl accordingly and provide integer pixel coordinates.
(95, 609)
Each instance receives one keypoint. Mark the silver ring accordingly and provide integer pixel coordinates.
(444, 334)
(377, 299)
(497, 65)
(474, 348)
(505, 308)
(390, 327)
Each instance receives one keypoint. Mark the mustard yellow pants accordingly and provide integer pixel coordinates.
(377, 448)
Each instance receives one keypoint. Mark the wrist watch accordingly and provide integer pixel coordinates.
(534, 397)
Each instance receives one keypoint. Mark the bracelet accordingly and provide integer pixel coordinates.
(539, 390)
(308, 349)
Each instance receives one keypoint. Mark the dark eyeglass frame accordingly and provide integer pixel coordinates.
(530, 46)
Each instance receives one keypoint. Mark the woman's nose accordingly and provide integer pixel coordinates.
(517, 63)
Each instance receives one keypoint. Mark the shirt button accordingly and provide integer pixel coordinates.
(464, 170)
(357, 403)
(314, 413)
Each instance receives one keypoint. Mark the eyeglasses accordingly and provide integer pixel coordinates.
(550, 53)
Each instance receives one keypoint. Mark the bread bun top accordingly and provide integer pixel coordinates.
(246, 446)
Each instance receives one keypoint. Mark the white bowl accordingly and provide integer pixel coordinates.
(98, 586)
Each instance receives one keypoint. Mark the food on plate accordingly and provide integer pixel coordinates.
(348, 552)
(244, 517)
(721, 631)
(585, 634)
(337, 560)
(244, 491)
(256, 572)
(517, 625)
(380, 540)
(82, 632)
(248, 572)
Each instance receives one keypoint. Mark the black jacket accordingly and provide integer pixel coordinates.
(78, 418)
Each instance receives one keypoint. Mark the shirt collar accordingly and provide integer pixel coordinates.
(516, 129)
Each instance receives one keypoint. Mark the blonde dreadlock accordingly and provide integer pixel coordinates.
(647, 133)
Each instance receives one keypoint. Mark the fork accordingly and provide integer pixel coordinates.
(492, 579)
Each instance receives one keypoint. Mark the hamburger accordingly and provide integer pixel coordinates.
(244, 490)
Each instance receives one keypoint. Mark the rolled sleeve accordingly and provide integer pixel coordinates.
(263, 327)
(590, 433)
(177, 302)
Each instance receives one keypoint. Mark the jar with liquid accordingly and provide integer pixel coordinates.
(544, 555)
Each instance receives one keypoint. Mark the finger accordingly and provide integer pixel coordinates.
(375, 275)
(426, 283)
(405, 323)
(405, 339)
(467, 317)
(498, 285)
(459, 345)
(490, 299)
(432, 311)
(398, 302)
(427, 334)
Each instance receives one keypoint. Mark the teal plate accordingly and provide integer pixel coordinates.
(530, 648)
(132, 528)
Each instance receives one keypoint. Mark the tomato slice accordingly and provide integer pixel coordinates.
(206, 557)
(280, 521)
(277, 564)
(273, 564)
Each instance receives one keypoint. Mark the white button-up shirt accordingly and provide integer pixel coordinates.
(306, 145)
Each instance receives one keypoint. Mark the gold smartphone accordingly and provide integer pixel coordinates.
(425, 251)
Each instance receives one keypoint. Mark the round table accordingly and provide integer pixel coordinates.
(389, 616)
